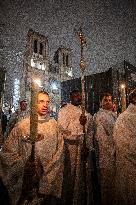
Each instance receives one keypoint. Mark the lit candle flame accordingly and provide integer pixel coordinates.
(122, 86)
(123, 97)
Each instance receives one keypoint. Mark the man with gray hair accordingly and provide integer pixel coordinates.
(18, 115)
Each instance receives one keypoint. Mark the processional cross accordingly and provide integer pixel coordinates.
(82, 69)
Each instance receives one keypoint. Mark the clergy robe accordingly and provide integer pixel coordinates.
(73, 183)
(104, 123)
(49, 150)
(125, 143)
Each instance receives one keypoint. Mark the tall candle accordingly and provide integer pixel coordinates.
(123, 98)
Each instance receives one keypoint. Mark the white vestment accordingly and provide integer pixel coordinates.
(49, 150)
(104, 123)
(15, 118)
(125, 143)
(68, 119)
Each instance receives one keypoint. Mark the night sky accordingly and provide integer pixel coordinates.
(109, 27)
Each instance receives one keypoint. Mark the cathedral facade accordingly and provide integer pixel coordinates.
(38, 66)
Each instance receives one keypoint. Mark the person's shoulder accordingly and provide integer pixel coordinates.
(24, 122)
(125, 117)
(88, 115)
(20, 126)
(51, 122)
(100, 116)
(99, 113)
(122, 116)
(66, 108)
(131, 110)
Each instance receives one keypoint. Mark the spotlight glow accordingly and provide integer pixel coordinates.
(38, 82)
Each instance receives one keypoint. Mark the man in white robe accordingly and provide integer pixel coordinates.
(70, 119)
(17, 116)
(104, 122)
(48, 151)
(125, 143)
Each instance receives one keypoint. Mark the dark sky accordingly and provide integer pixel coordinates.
(109, 27)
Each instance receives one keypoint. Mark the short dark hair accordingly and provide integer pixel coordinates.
(105, 95)
(23, 101)
(132, 95)
(74, 92)
(43, 92)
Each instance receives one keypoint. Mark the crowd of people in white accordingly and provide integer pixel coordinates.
(60, 153)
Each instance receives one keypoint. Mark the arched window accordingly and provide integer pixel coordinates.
(63, 59)
(45, 46)
(41, 49)
(67, 61)
(35, 46)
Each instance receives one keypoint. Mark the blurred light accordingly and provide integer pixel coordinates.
(32, 63)
(38, 82)
(54, 86)
(16, 95)
(70, 73)
(12, 109)
(122, 86)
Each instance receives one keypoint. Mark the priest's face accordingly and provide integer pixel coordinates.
(43, 103)
(107, 103)
(23, 105)
(76, 99)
